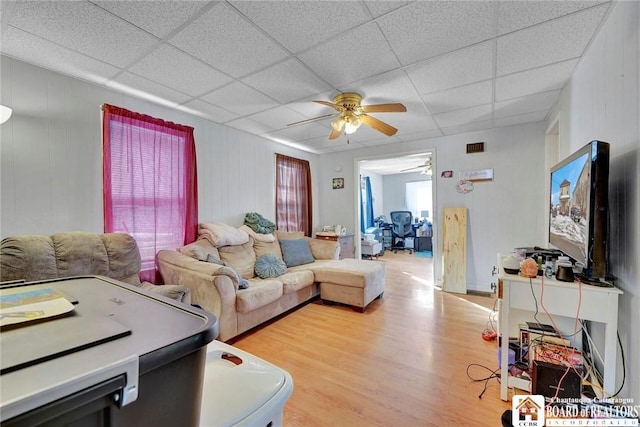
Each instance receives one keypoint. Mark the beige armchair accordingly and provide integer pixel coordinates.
(78, 253)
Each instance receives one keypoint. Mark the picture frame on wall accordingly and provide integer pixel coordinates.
(338, 183)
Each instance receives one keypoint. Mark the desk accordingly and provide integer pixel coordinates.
(423, 243)
(560, 299)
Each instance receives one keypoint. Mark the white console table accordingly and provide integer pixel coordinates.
(598, 304)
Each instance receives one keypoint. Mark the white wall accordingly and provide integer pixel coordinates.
(602, 101)
(51, 158)
(395, 189)
(502, 214)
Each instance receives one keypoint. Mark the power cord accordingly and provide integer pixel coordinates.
(494, 374)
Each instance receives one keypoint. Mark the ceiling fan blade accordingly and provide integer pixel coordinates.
(378, 125)
(313, 119)
(384, 108)
(334, 134)
(331, 104)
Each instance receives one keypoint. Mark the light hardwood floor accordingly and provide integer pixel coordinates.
(401, 363)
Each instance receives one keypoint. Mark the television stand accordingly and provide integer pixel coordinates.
(595, 281)
(598, 304)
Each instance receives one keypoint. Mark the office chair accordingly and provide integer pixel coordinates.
(401, 228)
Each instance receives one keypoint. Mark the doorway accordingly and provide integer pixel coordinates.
(391, 178)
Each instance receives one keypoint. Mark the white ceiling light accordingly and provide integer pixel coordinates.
(5, 113)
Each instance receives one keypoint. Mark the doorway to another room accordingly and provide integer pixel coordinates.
(399, 183)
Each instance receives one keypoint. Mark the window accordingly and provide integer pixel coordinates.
(418, 198)
(149, 183)
(293, 194)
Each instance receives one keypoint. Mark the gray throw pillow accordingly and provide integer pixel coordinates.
(269, 266)
(296, 252)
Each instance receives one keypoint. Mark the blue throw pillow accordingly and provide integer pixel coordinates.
(296, 252)
(269, 266)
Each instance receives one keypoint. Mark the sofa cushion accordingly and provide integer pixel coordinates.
(350, 272)
(287, 235)
(263, 248)
(220, 234)
(269, 266)
(259, 294)
(241, 258)
(296, 252)
(293, 281)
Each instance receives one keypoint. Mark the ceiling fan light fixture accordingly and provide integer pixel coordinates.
(352, 125)
(349, 128)
(337, 124)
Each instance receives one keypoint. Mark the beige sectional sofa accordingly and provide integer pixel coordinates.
(215, 267)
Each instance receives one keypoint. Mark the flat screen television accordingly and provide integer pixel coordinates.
(578, 214)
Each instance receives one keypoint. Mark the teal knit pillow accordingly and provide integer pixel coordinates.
(269, 266)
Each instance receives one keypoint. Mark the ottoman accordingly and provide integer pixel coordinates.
(371, 248)
(351, 281)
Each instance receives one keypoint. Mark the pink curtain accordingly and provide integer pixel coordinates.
(293, 194)
(150, 188)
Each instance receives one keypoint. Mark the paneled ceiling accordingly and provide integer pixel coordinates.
(258, 65)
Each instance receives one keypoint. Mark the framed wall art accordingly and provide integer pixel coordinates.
(338, 183)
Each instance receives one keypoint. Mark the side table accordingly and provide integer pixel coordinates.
(347, 247)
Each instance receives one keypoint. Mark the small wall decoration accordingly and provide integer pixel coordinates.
(463, 186)
(338, 183)
(446, 174)
(477, 175)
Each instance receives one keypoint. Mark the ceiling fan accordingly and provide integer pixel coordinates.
(351, 114)
(426, 167)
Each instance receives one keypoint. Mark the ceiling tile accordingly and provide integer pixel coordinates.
(82, 27)
(429, 28)
(159, 20)
(393, 86)
(249, 125)
(169, 66)
(225, 40)
(415, 119)
(310, 109)
(277, 118)
(516, 15)
(240, 98)
(468, 127)
(302, 132)
(520, 119)
(541, 79)
(29, 48)
(379, 8)
(298, 25)
(353, 56)
(406, 137)
(464, 66)
(147, 89)
(210, 112)
(460, 97)
(460, 117)
(554, 41)
(526, 104)
(287, 81)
